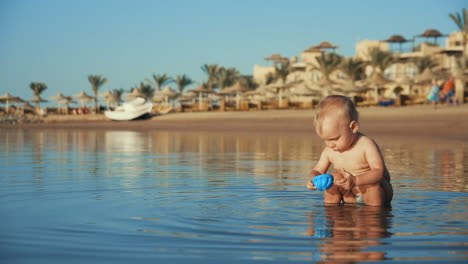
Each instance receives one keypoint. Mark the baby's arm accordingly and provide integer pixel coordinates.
(376, 164)
(320, 168)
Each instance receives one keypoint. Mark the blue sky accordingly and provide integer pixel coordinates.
(61, 42)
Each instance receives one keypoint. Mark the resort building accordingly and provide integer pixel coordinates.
(401, 77)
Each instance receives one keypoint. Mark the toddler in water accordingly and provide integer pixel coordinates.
(361, 174)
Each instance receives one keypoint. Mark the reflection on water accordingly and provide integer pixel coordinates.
(156, 195)
(350, 231)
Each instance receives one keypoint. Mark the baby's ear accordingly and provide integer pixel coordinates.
(354, 126)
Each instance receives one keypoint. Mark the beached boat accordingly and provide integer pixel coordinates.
(130, 110)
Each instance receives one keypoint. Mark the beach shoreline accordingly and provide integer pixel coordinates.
(446, 122)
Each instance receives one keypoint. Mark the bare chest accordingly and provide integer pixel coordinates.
(353, 161)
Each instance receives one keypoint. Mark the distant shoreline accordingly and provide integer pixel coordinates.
(446, 122)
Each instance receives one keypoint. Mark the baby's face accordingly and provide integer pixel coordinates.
(337, 134)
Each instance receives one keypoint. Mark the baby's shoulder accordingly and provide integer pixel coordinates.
(365, 141)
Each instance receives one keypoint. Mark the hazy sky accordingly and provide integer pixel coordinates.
(61, 42)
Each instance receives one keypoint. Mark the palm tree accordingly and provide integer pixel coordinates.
(353, 68)
(461, 20)
(212, 70)
(424, 62)
(380, 59)
(327, 63)
(182, 81)
(160, 80)
(282, 70)
(38, 88)
(96, 82)
(147, 90)
(248, 81)
(117, 94)
(269, 78)
(227, 77)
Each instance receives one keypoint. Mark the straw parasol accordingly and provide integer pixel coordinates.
(326, 45)
(237, 88)
(200, 90)
(37, 100)
(66, 101)
(396, 39)
(325, 85)
(134, 94)
(108, 97)
(375, 81)
(277, 58)
(432, 33)
(8, 98)
(167, 93)
(58, 97)
(351, 88)
(83, 97)
(424, 77)
(280, 87)
(27, 106)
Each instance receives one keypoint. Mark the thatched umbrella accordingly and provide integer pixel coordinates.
(396, 39)
(167, 93)
(27, 106)
(108, 98)
(432, 33)
(351, 88)
(376, 80)
(303, 91)
(277, 58)
(325, 85)
(37, 100)
(8, 98)
(237, 89)
(66, 101)
(200, 90)
(83, 98)
(326, 45)
(134, 94)
(425, 77)
(58, 97)
(279, 89)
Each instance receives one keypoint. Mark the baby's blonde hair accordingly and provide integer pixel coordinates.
(338, 104)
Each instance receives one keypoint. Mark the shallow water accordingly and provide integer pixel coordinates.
(76, 196)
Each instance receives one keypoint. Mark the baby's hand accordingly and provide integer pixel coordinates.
(309, 184)
(347, 182)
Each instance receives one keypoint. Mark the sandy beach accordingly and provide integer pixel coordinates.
(446, 122)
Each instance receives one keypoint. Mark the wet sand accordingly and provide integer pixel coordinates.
(447, 122)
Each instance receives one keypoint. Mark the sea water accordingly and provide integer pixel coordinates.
(101, 196)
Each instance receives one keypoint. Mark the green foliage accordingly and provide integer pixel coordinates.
(248, 81)
(37, 87)
(282, 71)
(269, 78)
(353, 68)
(327, 63)
(147, 90)
(423, 63)
(380, 59)
(460, 20)
(227, 77)
(212, 70)
(117, 94)
(182, 81)
(160, 80)
(96, 82)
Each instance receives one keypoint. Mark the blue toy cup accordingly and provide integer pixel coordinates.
(323, 181)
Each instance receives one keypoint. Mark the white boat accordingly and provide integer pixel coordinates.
(130, 110)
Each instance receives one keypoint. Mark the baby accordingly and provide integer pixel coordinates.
(361, 174)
